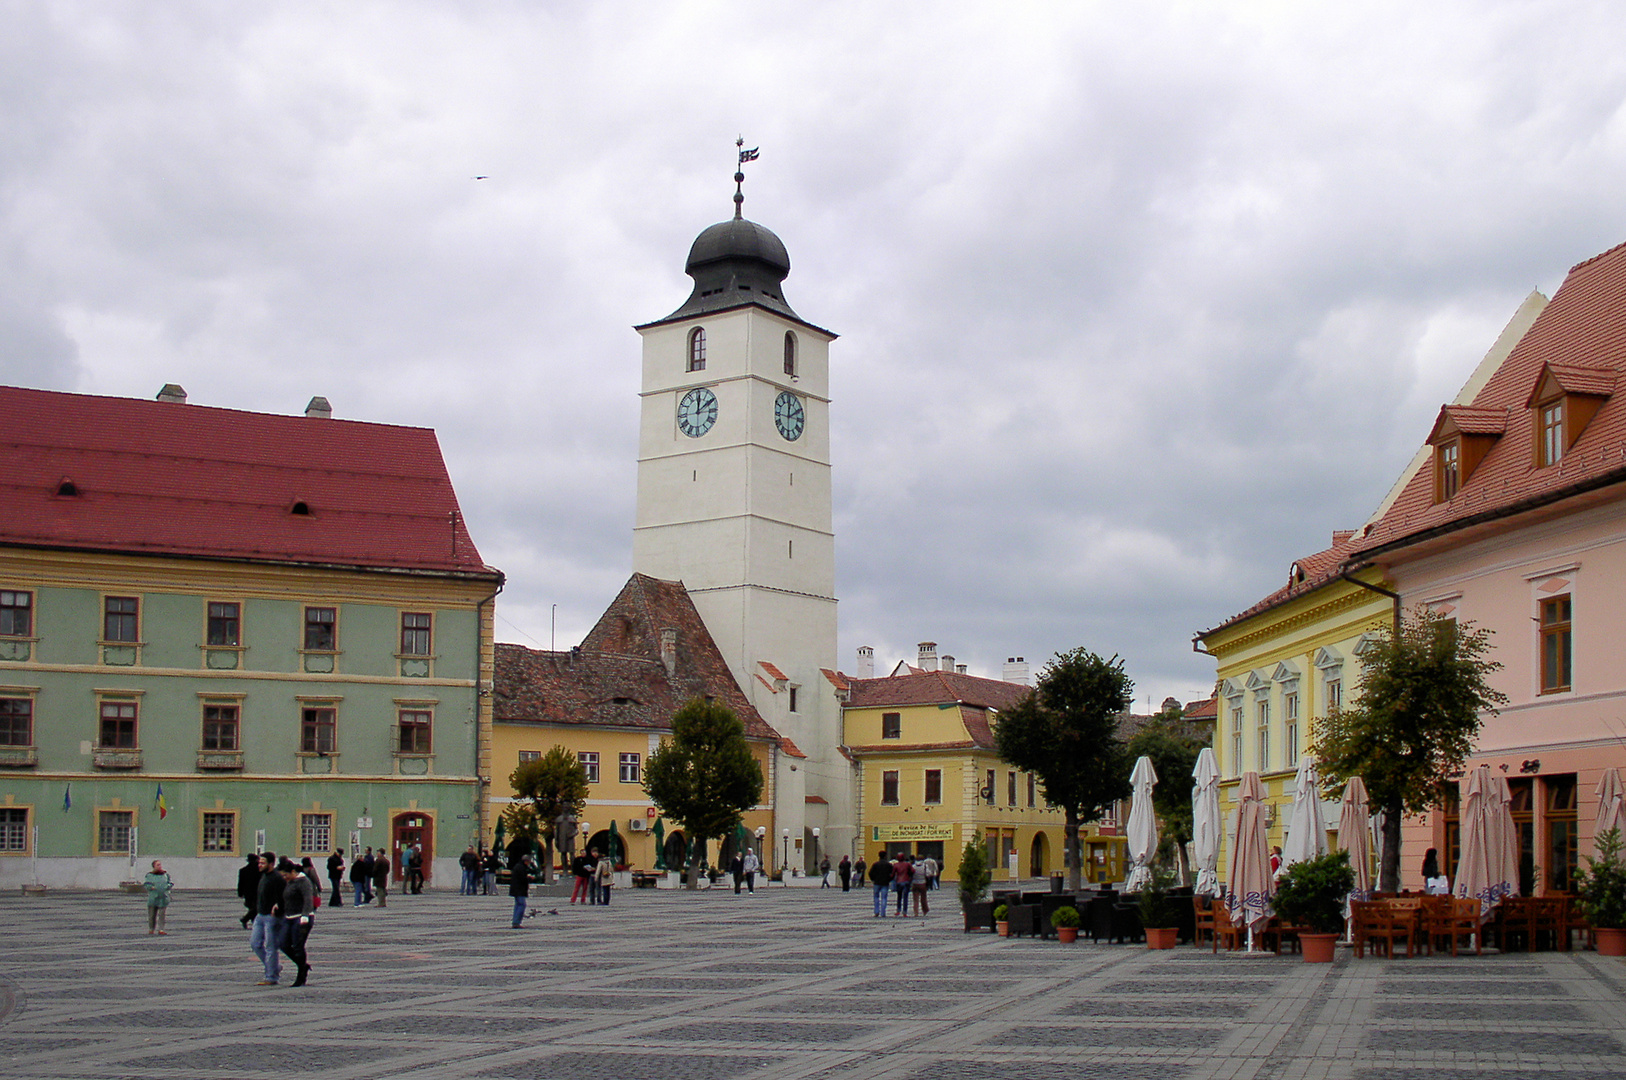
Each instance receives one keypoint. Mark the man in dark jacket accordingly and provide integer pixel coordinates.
(880, 876)
(469, 863)
(298, 901)
(736, 870)
(361, 876)
(248, 889)
(266, 941)
(335, 874)
(519, 887)
(381, 875)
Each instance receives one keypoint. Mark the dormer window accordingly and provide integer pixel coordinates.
(1448, 462)
(697, 349)
(1564, 401)
(1461, 438)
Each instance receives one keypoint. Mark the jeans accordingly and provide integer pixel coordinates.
(490, 885)
(902, 889)
(338, 891)
(880, 898)
(265, 941)
(467, 888)
(604, 894)
(519, 909)
(361, 892)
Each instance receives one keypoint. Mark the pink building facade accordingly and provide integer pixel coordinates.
(1518, 525)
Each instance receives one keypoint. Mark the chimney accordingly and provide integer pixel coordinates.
(926, 659)
(669, 651)
(866, 662)
(174, 393)
(959, 669)
(948, 662)
(319, 409)
(1016, 670)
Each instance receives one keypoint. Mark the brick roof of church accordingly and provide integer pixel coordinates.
(1580, 340)
(169, 478)
(617, 678)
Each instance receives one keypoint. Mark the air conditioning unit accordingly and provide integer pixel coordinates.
(637, 824)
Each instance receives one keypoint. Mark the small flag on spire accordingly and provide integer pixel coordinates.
(163, 807)
(750, 155)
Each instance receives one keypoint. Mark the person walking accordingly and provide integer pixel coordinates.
(415, 873)
(335, 874)
(824, 872)
(752, 865)
(844, 870)
(929, 868)
(736, 870)
(880, 876)
(158, 885)
(917, 887)
(266, 940)
(381, 875)
(490, 864)
(902, 874)
(858, 871)
(469, 863)
(519, 887)
(248, 886)
(604, 874)
(578, 869)
(298, 902)
(361, 878)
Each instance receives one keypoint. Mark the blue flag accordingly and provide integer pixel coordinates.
(67, 797)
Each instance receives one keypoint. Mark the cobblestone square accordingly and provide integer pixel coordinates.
(787, 983)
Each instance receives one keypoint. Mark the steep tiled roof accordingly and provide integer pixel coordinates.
(166, 478)
(617, 677)
(1305, 576)
(1471, 421)
(936, 688)
(1580, 338)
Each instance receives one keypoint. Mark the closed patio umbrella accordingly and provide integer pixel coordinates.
(1503, 838)
(1306, 828)
(1248, 884)
(1142, 832)
(1474, 865)
(1355, 834)
(1611, 803)
(1206, 823)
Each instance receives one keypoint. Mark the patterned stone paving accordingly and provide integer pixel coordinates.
(787, 983)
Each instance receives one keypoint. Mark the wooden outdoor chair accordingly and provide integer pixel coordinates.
(1203, 914)
(1514, 927)
(1550, 923)
(1451, 919)
(1376, 920)
(1233, 934)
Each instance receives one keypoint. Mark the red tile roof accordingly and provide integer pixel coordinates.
(1207, 709)
(1470, 421)
(166, 478)
(1580, 338)
(617, 677)
(974, 696)
(1305, 576)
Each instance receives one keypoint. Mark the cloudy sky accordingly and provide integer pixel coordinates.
(1138, 302)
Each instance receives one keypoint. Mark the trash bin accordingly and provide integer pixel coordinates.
(1058, 883)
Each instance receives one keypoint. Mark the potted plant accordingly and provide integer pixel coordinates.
(1158, 916)
(1310, 895)
(1065, 919)
(1602, 889)
(1002, 922)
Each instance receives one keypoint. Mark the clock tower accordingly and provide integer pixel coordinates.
(734, 501)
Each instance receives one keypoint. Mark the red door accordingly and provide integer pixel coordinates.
(412, 829)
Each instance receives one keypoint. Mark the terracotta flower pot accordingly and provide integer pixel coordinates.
(1066, 934)
(1003, 929)
(1162, 937)
(1610, 942)
(1318, 948)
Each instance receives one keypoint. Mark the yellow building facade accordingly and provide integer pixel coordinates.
(930, 781)
(1283, 664)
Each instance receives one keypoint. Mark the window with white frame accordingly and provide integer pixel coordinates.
(529, 755)
(631, 768)
(315, 832)
(1262, 718)
(1236, 739)
(589, 761)
(13, 829)
(113, 831)
(219, 832)
(1290, 720)
(16, 613)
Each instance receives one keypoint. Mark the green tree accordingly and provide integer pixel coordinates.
(1173, 746)
(1066, 733)
(1412, 725)
(973, 872)
(704, 776)
(556, 783)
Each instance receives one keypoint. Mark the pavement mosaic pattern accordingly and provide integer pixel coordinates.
(789, 983)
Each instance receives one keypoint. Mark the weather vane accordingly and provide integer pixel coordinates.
(739, 175)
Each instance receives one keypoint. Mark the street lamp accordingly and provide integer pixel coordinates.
(784, 863)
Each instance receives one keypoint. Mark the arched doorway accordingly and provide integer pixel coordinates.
(675, 850)
(600, 841)
(1039, 855)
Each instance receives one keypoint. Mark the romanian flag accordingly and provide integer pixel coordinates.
(163, 807)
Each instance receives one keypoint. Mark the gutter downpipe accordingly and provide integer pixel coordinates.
(1350, 577)
(482, 732)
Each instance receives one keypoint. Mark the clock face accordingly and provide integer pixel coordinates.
(697, 412)
(788, 415)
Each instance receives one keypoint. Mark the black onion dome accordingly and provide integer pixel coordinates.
(735, 263)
